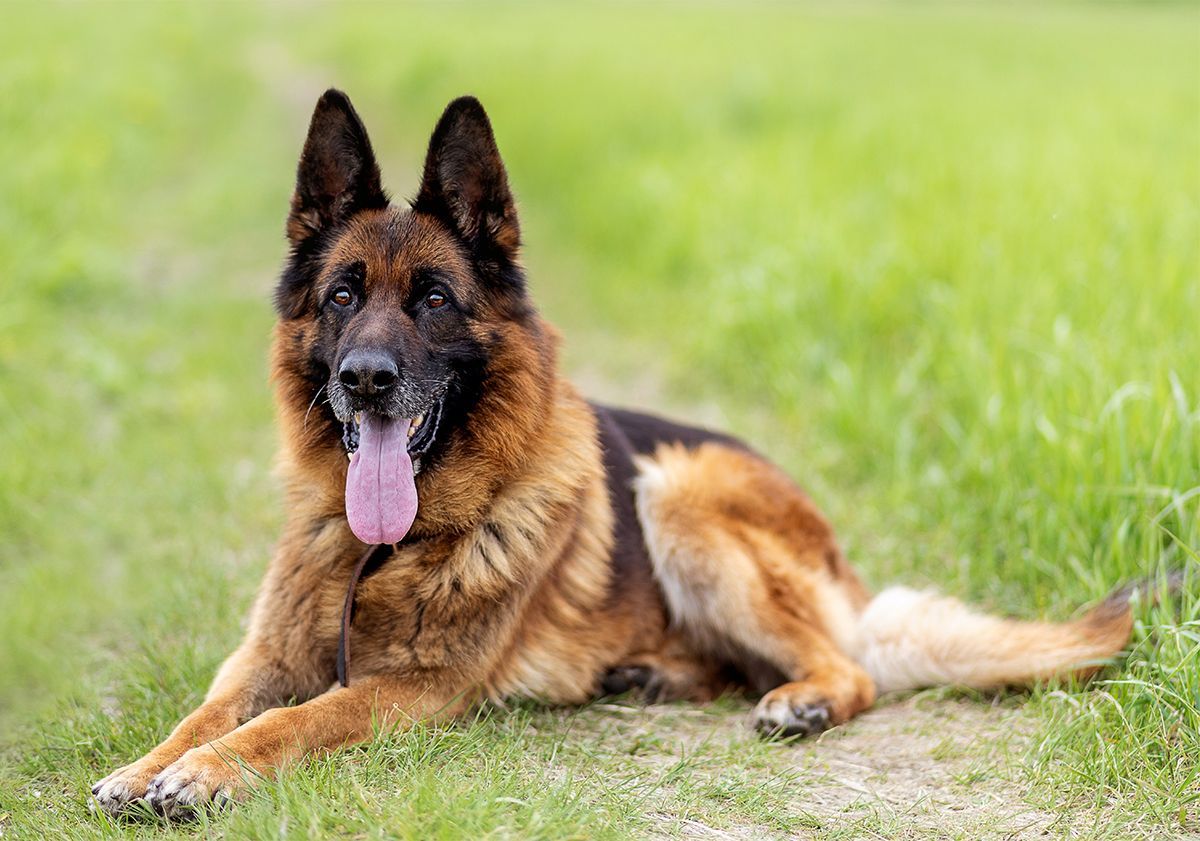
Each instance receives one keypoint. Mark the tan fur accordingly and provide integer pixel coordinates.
(512, 603)
(910, 639)
(511, 581)
(515, 604)
(749, 567)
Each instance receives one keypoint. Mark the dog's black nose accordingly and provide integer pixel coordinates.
(368, 372)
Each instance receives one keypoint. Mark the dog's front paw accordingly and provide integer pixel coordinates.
(125, 786)
(200, 777)
(783, 713)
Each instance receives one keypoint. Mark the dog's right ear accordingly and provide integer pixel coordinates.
(337, 175)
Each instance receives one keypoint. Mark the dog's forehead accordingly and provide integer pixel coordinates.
(393, 244)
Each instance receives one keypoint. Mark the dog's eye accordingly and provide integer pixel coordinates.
(435, 299)
(342, 296)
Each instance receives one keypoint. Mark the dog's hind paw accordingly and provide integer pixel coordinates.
(622, 679)
(778, 715)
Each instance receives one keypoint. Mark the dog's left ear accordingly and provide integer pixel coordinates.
(465, 184)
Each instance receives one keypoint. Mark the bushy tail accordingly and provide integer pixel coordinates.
(910, 639)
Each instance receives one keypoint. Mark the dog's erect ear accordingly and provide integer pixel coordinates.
(465, 184)
(337, 175)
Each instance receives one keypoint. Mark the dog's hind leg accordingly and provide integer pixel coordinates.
(752, 577)
(673, 671)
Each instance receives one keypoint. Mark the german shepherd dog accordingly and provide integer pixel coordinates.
(494, 535)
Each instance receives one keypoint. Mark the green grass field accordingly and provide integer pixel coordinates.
(942, 262)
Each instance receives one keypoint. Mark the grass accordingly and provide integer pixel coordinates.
(943, 262)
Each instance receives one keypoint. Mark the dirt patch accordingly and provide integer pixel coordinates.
(926, 766)
(918, 768)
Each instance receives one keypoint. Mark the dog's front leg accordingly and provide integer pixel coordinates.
(249, 682)
(342, 716)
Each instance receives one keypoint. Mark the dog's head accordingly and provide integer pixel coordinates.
(396, 314)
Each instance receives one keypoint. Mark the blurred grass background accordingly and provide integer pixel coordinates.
(942, 261)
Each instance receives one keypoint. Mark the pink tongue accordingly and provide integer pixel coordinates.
(381, 495)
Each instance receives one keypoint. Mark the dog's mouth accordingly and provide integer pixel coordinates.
(385, 456)
(422, 432)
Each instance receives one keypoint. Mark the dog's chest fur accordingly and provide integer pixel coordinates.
(535, 600)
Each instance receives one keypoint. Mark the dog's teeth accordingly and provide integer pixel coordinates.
(411, 432)
(358, 417)
(417, 421)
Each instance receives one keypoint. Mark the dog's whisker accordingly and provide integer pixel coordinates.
(310, 406)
